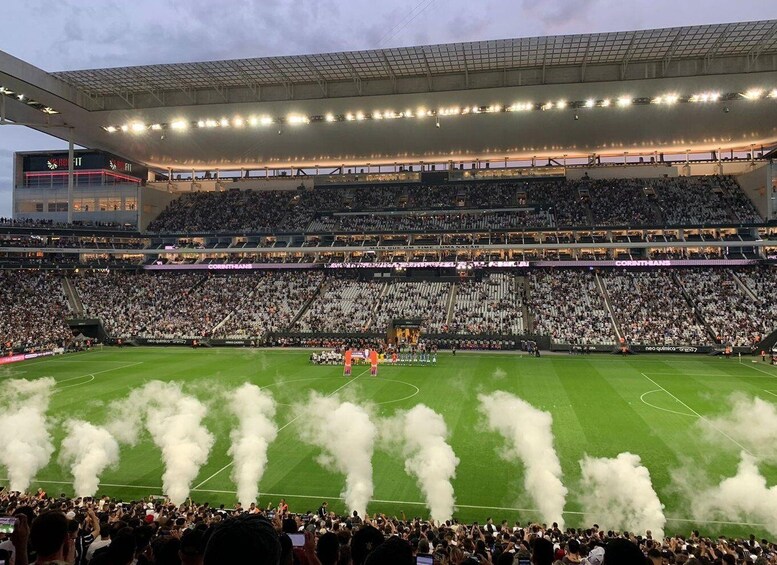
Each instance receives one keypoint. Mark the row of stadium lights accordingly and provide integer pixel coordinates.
(299, 119)
(27, 100)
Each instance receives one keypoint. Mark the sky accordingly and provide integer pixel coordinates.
(60, 35)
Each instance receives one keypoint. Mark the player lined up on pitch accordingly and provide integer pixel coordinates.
(380, 354)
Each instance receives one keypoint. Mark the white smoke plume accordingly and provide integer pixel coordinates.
(423, 435)
(87, 450)
(751, 422)
(27, 446)
(255, 411)
(346, 435)
(174, 420)
(618, 494)
(744, 497)
(529, 433)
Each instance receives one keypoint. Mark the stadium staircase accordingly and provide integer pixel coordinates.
(451, 303)
(374, 308)
(658, 216)
(749, 293)
(323, 287)
(221, 323)
(528, 319)
(606, 296)
(692, 304)
(73, 300)
(726, 195)
(199, 283)
(731, 214)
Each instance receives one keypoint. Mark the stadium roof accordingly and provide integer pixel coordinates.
(487, 99)
(623, 48)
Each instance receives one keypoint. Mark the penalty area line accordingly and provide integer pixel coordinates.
(283, 427)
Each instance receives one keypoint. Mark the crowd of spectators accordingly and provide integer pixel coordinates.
(33, 310)
(68, 242)
(152, 531)
(234, 211)
(651, 310)
(548, 203)
(425, 300)
(147, 305)
(495, 194)
(738, 201)
(619, 202)
(418, 222)
(271, 303)
(562, 199)
(492, 305)
(663, 307)
(762, 282)
(680, 200)
(703, 200)
(37, 223)
(192, 305)
(690, 201)
(732, 315)
(435, 197)
(343, 306)
(568, 306)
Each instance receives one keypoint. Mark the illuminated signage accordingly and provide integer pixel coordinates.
(55, 163)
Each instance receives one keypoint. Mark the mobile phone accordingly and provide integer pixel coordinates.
(424, 559)
(297, 540)
(7, 524)
(524, 562)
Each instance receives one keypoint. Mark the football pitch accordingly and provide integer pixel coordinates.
(602, 405)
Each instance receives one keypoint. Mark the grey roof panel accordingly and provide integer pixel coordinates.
(718, 40)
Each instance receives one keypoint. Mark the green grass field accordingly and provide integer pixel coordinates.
(601, 405)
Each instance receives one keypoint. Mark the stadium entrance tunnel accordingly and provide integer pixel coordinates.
(90, 328)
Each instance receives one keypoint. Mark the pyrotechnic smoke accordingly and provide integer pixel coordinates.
(422, 435)
(88, 450)
(618, 493)
(255, 411)
(346, 435)
(749, 425)
(750, 422)
(744, 497)
(529, 433)
(27, 444)
(174, 421)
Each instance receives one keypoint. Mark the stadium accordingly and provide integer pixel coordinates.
(475, 296)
